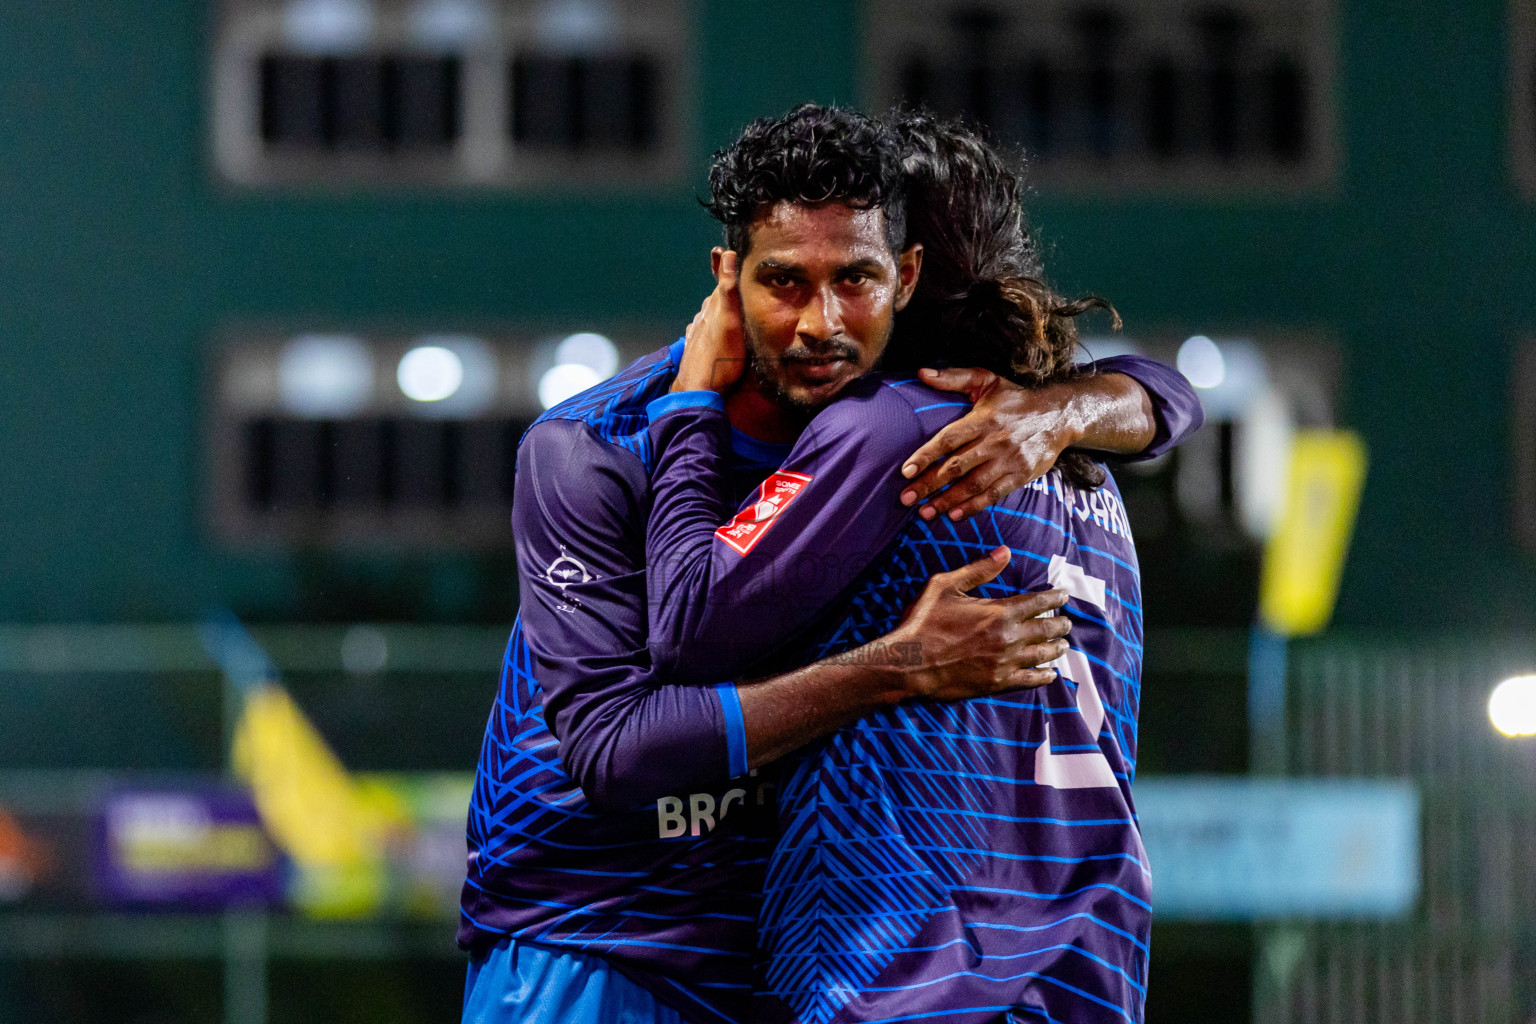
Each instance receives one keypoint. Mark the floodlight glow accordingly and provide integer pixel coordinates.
(1201, 361)
(328, 26)
(575, 23)
(563, 380)
(364, 650)
(1512, 706)
(588, 349)
(324, 375)
(449, 22)
(430, 373)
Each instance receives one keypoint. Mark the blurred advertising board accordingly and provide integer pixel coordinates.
(1255, 849)
(22, 860)
(190, 847)
(413, 858)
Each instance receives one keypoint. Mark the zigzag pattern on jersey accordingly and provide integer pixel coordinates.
(521, 791)
(854, 878)
(615, 409)
(854, 890)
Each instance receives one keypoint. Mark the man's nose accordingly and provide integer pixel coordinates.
(821, 319)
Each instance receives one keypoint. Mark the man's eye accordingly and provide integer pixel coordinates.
(856, 279)
(781, 281)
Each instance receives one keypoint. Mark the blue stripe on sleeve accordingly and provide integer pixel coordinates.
(735, 729)
(673, 401)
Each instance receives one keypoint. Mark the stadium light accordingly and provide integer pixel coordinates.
(575, 24)
(329, 26)
(430, 373)
(588, 349)
(1512, 706)
(449, 23)
(1200, 360)
(325, 375)
(563, 380)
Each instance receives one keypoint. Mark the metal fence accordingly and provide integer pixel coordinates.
(1394, 707)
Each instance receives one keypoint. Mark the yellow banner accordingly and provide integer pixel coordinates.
(334, 830)
(1305, 556)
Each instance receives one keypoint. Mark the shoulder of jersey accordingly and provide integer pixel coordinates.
(615, 409)
(893, 390)
(914, 392)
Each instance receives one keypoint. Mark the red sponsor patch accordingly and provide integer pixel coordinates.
(773, 497)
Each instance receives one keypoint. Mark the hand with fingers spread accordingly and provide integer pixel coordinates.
(1015, 434)
(971, 647)
(715, 351)
(1012, 436)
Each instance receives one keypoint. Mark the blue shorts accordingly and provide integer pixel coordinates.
(518, 983)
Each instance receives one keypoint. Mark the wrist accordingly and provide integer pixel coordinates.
(903, 674)
(1076, 410)
(879, 674)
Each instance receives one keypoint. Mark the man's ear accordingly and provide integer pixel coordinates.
(714, 261)
(908, 267)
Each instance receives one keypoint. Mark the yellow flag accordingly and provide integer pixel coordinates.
(1305, 556)
(311, 805)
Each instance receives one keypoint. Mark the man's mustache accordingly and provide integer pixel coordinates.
(831, 350)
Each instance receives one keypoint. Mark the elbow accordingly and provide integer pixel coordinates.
(609, 786)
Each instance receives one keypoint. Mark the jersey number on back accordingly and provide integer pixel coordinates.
(1088, 769)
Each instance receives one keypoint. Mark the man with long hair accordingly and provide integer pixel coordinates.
(616, 834)
(971, 859)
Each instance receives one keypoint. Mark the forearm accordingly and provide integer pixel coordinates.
(783, 713)
(1175, 408)
(1110, 412)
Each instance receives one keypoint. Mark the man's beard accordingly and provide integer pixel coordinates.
(769, 370)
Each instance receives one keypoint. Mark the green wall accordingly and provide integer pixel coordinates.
(121, 257)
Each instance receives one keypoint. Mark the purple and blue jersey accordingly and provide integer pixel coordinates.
(946, 861)
(612, 811)
(605, 817)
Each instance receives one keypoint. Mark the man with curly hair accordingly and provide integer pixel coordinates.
(619, 827)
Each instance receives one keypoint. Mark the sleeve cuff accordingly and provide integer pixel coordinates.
(657, 408)
(1153, 383)
(735, 727)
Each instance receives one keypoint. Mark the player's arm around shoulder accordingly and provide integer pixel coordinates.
(727, 586)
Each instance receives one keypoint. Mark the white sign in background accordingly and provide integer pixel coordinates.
(1247, 849)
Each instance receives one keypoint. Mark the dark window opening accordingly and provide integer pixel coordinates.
(312, 467)
(1110, 92)
(1162, 134)
(1288, 111)
(360, 104)
(590, 102)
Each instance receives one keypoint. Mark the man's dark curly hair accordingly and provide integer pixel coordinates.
(811, 155)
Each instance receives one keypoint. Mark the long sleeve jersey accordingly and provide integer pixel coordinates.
(959, 859)
(612, 811)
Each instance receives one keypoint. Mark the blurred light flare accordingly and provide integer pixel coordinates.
(478, 377)
(325, 375)
(589, 349)
(575, 24)
(364, 650)
(1512, 706)
(449, 23)
(563, 380)
(430, 373)
(329, 26)
(1200, 360)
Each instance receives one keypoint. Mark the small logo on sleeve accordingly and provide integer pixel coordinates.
(564, 571)
(773, 497)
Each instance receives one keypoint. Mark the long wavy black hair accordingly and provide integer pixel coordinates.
(981, 299)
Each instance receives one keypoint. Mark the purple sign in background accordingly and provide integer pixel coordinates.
(187, 847)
